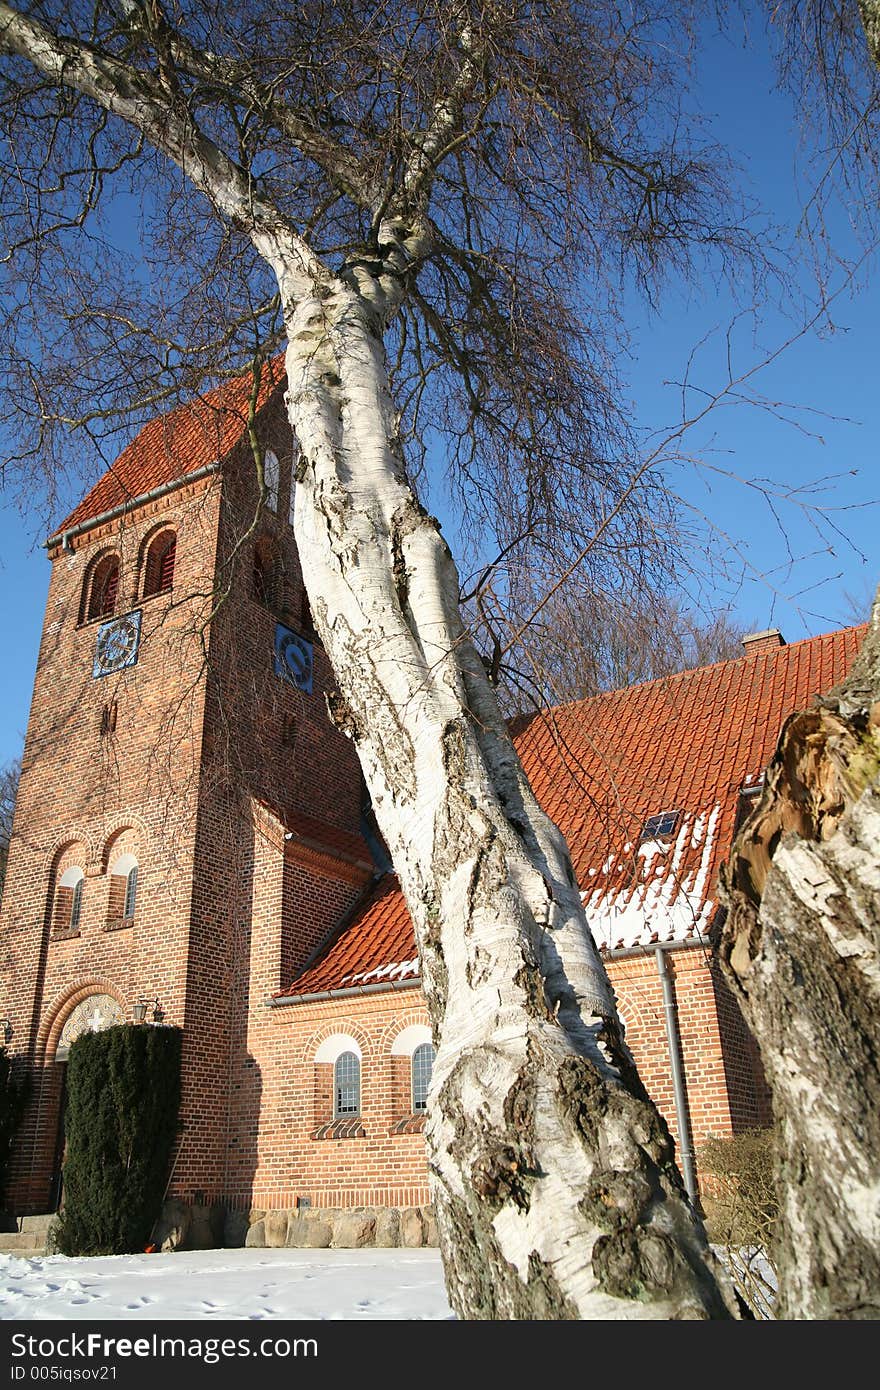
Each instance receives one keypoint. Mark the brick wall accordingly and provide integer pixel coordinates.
(384, 1165)
(89, 793)
(723, 1077)
(207, 761)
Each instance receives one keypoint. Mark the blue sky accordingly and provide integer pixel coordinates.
(788, 572)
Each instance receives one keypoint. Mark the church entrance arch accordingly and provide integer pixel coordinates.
(91, 1015)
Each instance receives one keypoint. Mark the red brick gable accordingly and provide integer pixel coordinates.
(172, 446)
(376, 947)
(600, 768)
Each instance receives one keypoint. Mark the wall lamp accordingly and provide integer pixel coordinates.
(5, 1029)
(139, 1011)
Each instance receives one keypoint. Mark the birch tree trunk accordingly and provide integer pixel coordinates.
(800, 948)
(552, 1172)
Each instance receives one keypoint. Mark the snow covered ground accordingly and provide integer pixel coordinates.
(402, 1284)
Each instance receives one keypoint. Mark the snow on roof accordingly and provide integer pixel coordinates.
(600, 768)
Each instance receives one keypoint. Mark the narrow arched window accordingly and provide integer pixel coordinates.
(422, 1066)
(123, 891)
(76, 905)
(159, 564)
(261, 578)
(130, 891)
(271, 479)
(269, 585)
(68, 900)
(102, 589)
(347, 1086)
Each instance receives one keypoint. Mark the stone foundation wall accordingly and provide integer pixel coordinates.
(185, 1226)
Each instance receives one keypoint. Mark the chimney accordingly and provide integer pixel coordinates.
(768, 641)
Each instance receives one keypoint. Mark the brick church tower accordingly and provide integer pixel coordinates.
(188, 821)
(189, 843)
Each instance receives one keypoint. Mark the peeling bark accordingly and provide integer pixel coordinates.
(800, 948)
(552, 1173)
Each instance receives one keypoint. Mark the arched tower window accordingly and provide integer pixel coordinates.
(262, 579)
(123, 890)
(100, 589)
(422, 1066)
(271, 479)
(347, 1086)
(159, 563)
(68, 900)
(268, 575)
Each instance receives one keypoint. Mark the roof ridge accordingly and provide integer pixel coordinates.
(619, 690)
(601, 780)
(171, 445)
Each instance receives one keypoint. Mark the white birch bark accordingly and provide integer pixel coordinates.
(553, 1174)
(801, 948)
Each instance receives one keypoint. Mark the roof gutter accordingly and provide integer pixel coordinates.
(66, 537)
(276, 1001)
(625, 952)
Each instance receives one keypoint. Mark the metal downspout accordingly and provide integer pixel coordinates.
(673, 1039)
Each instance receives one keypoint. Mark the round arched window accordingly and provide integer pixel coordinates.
(159, 563)
(101, 589)
(422, 1066)
(347, 1086)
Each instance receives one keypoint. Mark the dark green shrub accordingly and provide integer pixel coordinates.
(123, 1096)
(13, 1094)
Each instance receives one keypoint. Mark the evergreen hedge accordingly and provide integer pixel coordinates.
(13, 1093)
(123, 1096)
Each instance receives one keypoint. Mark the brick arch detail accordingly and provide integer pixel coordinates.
(117, 828)
(168, 527)
(331, 1029)
(63, 1006)
(149, 536)
(630, 1012)
(410, 1017)
(105, 552)
(74, 836)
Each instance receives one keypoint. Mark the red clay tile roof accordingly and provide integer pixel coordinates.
(600, 767)
(174, 445)
(376, 947)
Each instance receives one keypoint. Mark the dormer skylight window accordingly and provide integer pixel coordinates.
(659, 826)
(747, 800)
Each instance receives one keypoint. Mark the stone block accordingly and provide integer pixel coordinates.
(412, 1233)
(172, 1230)
(256, 1235)
(235, 1229)
(308, 1234)
(429, 1222)
(354, 1229)
(275, 1224)
(387, 1227)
